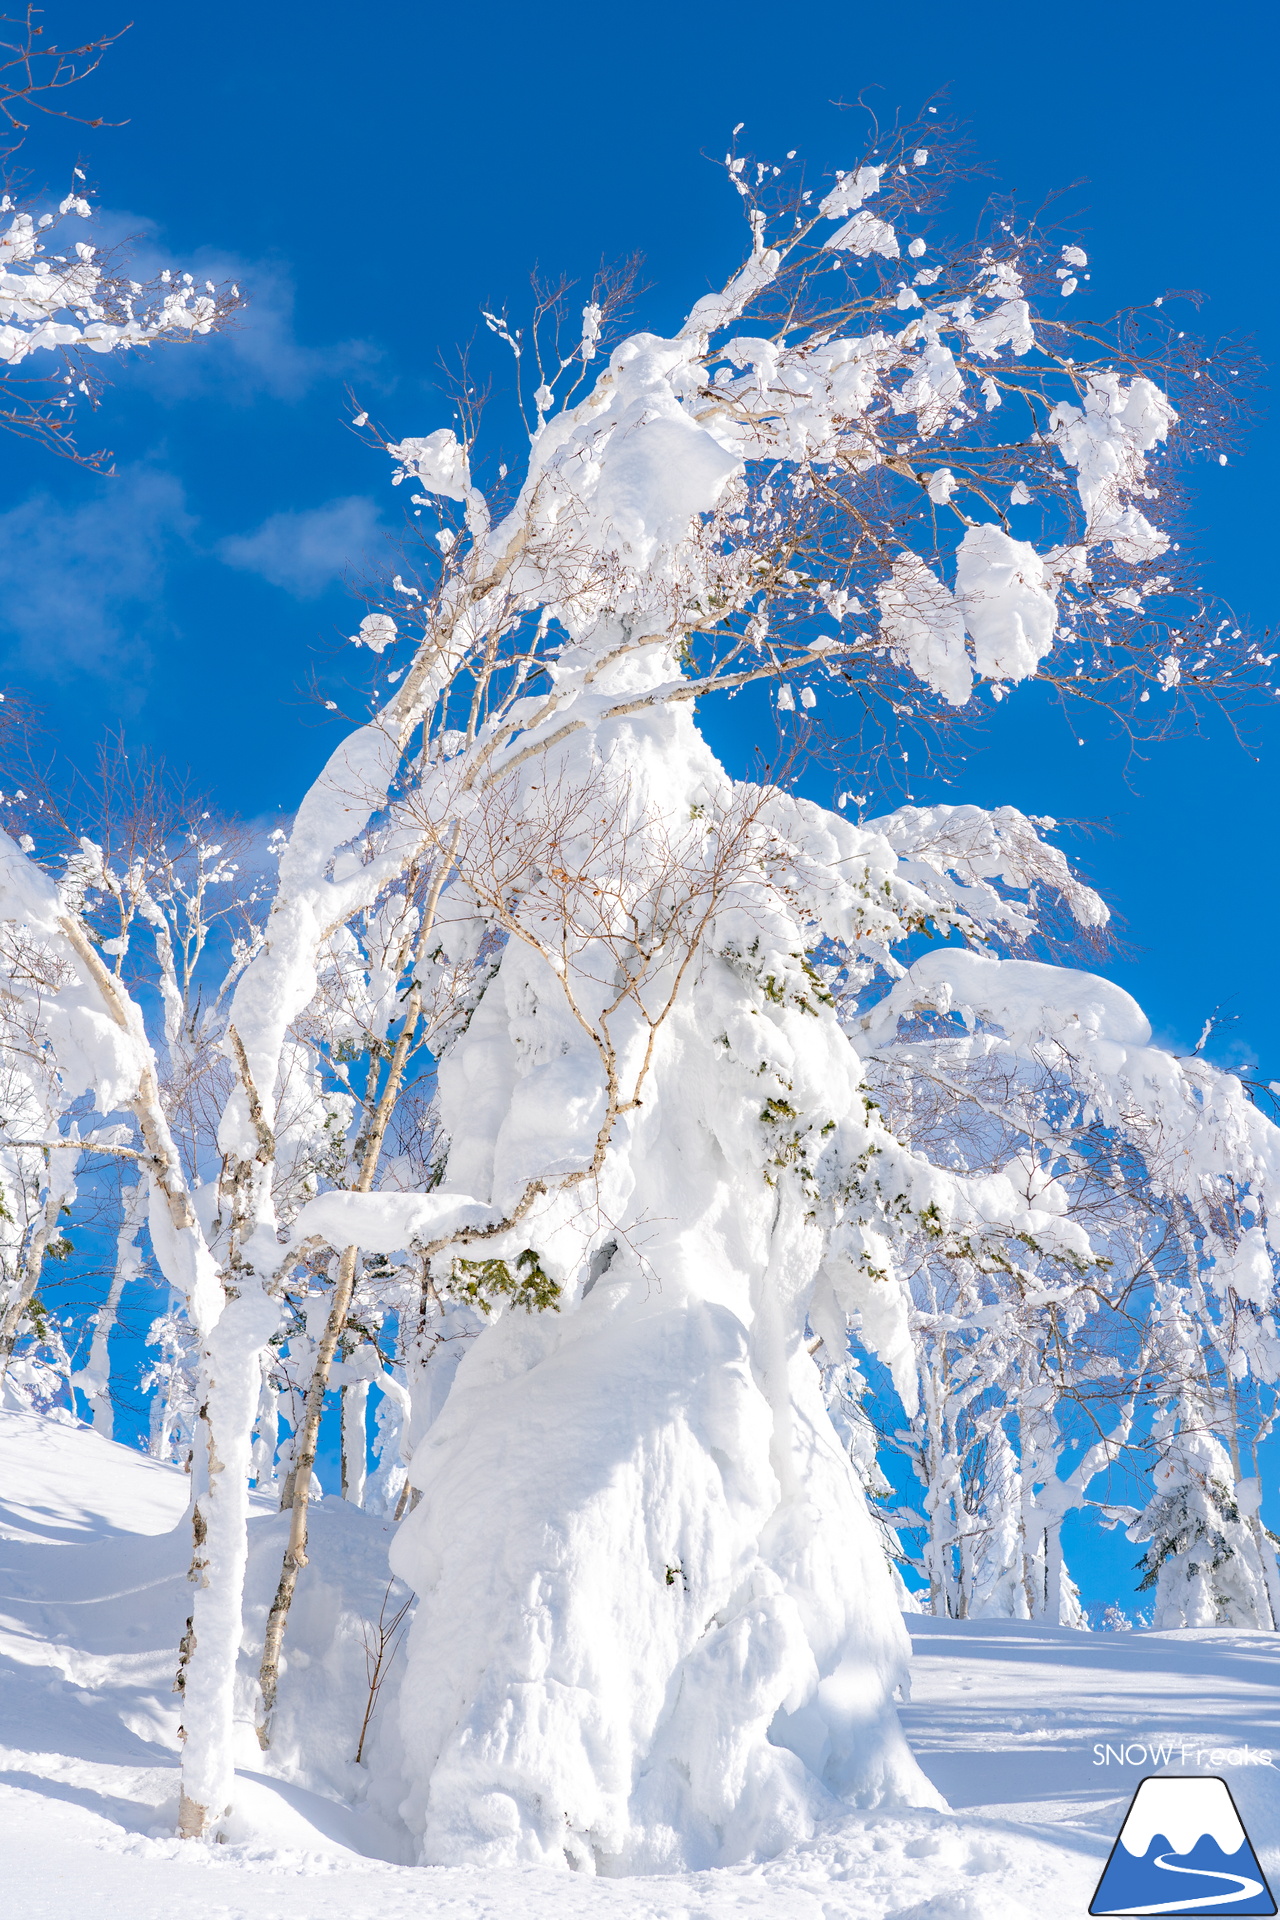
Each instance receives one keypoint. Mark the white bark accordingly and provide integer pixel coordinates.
(94, 1379)
(355, 1440)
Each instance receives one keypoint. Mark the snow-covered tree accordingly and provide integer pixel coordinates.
(672, 1635)
(57, 992)
(94, 1378)
(1050, 1075)
(702, 1106)
(1201, 1560)
(37, 1180)
(1207, 1562)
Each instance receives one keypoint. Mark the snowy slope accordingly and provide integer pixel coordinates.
(93, 1551)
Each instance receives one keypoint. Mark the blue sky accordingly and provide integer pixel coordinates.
(372, 178)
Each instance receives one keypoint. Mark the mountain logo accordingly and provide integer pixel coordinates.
(1182, 1850)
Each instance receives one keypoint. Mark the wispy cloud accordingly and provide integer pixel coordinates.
(305, 552)
(78, 584)
(258, 354)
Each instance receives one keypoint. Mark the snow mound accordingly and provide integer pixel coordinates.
(1004, 1718)
(63, 1482)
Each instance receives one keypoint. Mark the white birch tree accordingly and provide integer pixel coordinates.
(702, 1106)
(672, 1635)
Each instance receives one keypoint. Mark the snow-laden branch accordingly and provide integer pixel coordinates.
(82, 307)
(650, 1112)
(95, 1033)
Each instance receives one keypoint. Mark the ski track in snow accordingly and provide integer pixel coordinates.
(1241, 1885)
(1004, 1718)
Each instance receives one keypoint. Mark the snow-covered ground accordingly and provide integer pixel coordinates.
(1009, 1720)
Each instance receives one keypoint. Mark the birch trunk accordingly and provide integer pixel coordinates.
(355, 1440)
(308, 1437)
(220, 1522)
(94, 1380)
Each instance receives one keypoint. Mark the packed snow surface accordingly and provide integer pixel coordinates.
(1036, 1735)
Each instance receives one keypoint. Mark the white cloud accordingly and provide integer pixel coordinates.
(304, 552)
(258, 354)
(78, 584)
